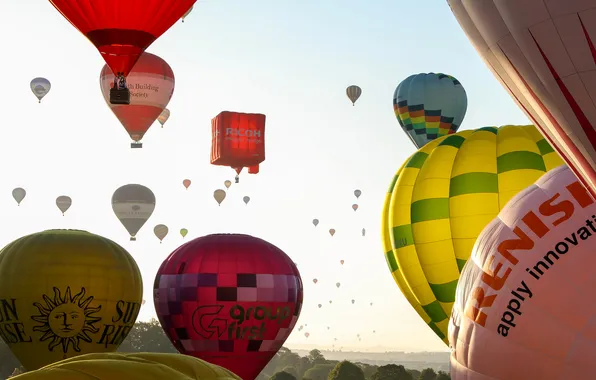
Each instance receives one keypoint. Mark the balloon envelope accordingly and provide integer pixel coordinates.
(63, 202)
(246, 199)
(354, 207)
(131, 366)
(186, 183)
(19, 194)
(227, 184)
(133, 205)
(66, 293)
(40, 87)
(151, 84)
(229, 299)
(121, 30)
(219, 195)
(441, 199)
(161, 231)
(531, 272)
(428, 106)
(315, 222)
(353, 92)
(183, 232)
(332, 231)
(163, 116)
(357, 193)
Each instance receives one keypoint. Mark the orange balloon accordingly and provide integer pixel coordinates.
(186, 183)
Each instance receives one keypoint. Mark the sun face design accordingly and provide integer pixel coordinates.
(66, 320)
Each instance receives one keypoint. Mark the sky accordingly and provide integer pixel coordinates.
(289, 59)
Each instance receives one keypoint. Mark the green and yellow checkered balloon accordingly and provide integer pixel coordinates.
(442, 198)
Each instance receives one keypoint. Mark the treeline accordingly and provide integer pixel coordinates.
(285, 365)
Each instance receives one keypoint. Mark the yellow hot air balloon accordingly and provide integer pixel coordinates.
(227, 184)
(131, 366)
(443, 197)
(183, 232)
(65, 293)
(219, 196)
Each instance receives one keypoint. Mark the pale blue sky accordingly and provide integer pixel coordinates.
(289, 59)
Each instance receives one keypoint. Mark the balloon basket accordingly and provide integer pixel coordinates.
(119, 96)
(136, 145)
(132, 238)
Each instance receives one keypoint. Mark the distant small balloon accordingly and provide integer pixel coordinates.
(337, 284)
(63, 202)
(353, 301)
(219, 196)
(341, 262)
(315, 280)
(246, 199)
(315, 222)
(186, 183)
(183, 232)
(161, 231)
(320, 306)
(363, 232)
(354, 207)
(371, 304)
(40, 87)
(357, 193)
(330, 301)
(164, 116)
(19, 194)
(227, 184)
(306, 335)
(332, 231)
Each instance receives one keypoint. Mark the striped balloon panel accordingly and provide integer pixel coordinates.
(447, 193)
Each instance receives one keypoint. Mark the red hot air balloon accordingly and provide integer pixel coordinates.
(543, 53)
(238, 140)
(151, 83)
(122, 29)
(229, 299)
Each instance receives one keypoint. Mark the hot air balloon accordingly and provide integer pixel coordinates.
(151, 84)
(353, 302)
(66, 293)
(63, 202)
(320, 306)
(341, 262)
(227, 184)
(357, 193)
(238, 141)
(40, 87)
(530, 270)
(354, 207)
(161, 231)
(121, 31)
(353, 92)
(246, 199)
(315, 222)
(186, 183)
(363, 232)
(332, 231)
(330, 301)
(315, 280)
(219, 196)
(542, 53)
(183, 232)
(163, 116)
(306, 335)
(233, 288)
(428, 106)
(131, 366)
(187, 13)
(443, 197)
(19, 194)
(337, 284)
(133, 205)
